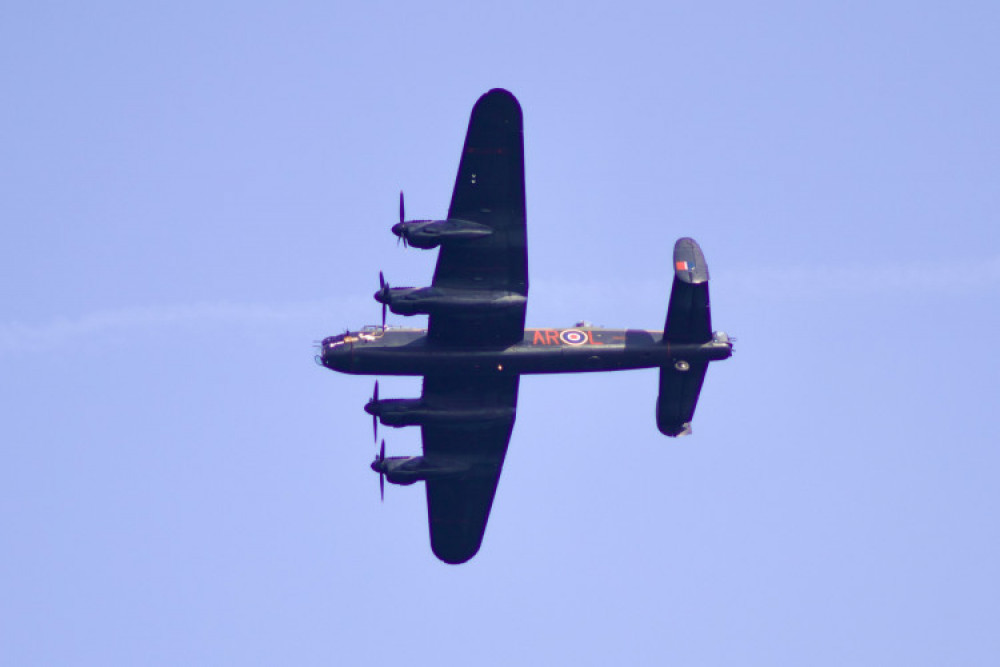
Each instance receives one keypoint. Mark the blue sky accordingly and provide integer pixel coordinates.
(192, 194)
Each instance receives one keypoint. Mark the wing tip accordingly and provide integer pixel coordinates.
(503, 92)
(498, 98)
(455, 554)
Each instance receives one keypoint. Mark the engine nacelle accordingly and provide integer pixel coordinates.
(399, 412)
(438, 300)
(426, 234)
(405, 470)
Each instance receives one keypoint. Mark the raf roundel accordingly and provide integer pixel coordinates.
(573, 337)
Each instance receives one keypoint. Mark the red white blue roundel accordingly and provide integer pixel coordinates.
(573, 337)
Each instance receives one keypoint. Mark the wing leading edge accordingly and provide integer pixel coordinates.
(489, 190)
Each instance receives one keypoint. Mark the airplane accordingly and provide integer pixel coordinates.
(475, 348)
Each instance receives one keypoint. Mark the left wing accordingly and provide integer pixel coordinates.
(489, 190)
(459, 506)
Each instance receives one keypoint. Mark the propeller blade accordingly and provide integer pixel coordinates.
(402, 216)
(384, 288)
(375, 416)
(381, 473)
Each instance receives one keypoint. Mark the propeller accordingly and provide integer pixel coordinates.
(384, 288)
(381, 471)
(375, 415)
(402, 218)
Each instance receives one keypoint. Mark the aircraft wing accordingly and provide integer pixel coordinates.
(458, 506)
(489, 190)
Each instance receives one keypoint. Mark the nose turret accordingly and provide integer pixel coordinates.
(335, 353)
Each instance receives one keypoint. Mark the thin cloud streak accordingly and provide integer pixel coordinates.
(928, 278)
(787, 283)
(766, 284)
(18, 336)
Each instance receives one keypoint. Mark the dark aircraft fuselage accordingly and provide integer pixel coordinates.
(391, 351)
(476, 345)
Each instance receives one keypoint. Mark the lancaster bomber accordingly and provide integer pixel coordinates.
(475, 348)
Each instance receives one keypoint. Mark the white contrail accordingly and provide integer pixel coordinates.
(765, 285)
(15, 336)
(956, 276)
(781, 283)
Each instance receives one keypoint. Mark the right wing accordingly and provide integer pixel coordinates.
(458, 507)
(489, 190)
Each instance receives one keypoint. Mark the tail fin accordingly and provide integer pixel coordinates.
(679, 390)
(689, 321)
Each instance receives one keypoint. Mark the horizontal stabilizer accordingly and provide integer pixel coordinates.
(689, 319)
(679, 391)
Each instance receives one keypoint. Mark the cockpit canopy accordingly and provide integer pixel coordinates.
(368, 332)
